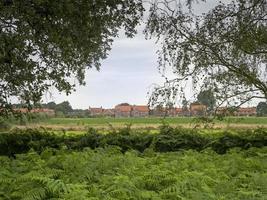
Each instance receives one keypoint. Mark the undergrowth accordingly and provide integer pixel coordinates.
(104, 174)
(169, 139)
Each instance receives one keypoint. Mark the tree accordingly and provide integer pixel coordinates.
(224, 48)
(207, 98)
(64, 107)
(47, 43)
(124, 104)
(185, 105)
(262, 109)
(50, 105)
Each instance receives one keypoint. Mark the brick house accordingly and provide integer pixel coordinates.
(159, 111)
(197, 109)
(179, 112)
(140, 111)
(123, 111)
(224, 111)
(94, 112)
(249, 111)
(45, 111)
(109, 112)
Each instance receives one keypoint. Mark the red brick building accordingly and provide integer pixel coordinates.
(249, 111)
(109, 112)
(45, 111)
(197, 109)
(123, 111)
(96, 112)
(140, 111)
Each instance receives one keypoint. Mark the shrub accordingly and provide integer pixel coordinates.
(4, 125)
(169, 139)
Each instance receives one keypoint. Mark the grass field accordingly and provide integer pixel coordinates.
(80, 124)
(152, 120)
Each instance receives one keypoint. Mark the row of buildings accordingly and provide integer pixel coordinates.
(195, 109)
(126, 110)
(45, 111)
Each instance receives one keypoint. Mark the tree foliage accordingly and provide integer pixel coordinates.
(207, 98)
(262, 109)
(49, 44)
(224, 48)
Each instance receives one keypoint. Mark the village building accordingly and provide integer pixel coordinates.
(179, 112)
(175, 112)
(109, 112)
(45, 111)
(249, 111)
(123, 111)
(159, 112)
(140, 111)
(224, 111)
(198, 109)
(96, 112)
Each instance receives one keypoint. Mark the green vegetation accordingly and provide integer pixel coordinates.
(104, 174)
(176, 163)
(63, 40)
(151, 120)
(220, 47)
(168, 139)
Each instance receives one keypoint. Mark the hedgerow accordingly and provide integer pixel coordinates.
(169, 139)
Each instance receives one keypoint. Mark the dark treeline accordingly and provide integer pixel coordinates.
(169, 139)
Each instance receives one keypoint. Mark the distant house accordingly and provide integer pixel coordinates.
(174, 112)
(140, 111)
(45, 111)
(109, 112)
(159, 111)
(249, 111)
(197, 109)
(123, 110)
(225, 111)
(96, 112)
(179, 112)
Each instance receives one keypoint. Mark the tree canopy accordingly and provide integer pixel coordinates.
(49, 44)
(46, 44)
(262, 109)
(207, 98)
(224, 49)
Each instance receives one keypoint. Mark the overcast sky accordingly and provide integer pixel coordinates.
(125, 76)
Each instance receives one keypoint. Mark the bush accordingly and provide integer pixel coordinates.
(169, 139)
(4, 125)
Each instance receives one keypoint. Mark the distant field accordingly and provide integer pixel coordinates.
(151, 120)
(81, 124)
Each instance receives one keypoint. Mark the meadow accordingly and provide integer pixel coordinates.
(82, 124)
(153, 120)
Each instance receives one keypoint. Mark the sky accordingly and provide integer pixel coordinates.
(127, 75)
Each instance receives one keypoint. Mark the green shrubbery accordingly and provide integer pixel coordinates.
(104, 174)
(129, 164)
(4, 125)
(169, 139)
